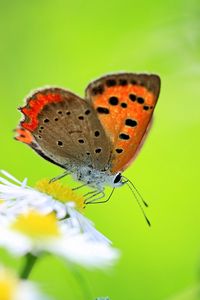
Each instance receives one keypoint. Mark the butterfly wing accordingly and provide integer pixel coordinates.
(64, 129)
(26, 137)
(124, 104)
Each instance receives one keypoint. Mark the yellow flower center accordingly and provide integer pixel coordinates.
(37, 225)
(8, 285)
(60, 192)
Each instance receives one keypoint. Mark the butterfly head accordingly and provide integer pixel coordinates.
(117, 180)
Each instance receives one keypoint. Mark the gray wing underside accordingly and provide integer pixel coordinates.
(70, 134)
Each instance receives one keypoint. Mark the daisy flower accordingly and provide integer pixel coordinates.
(12, 288)
(17, 197)
(36, 232)
(48, 219)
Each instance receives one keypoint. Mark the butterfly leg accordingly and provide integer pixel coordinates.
(89, 193)
(95, 201)
(78, 187)
(59, 177)
(95, 197)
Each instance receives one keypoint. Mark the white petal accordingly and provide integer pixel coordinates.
(87, 226)
(81, 250)
(6, 174)
(15, 243)
(60, 208)
(6, 182)
(24, 183)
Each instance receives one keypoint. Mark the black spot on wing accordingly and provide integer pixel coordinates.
(103, 110)
(124, 136)
(113, 100)
(130, 123)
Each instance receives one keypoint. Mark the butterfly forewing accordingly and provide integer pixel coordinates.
(65, 129)
(124, 104)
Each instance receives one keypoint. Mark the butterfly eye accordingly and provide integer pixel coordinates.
(118, 178)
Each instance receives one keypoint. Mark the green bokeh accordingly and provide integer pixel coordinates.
(69, 43)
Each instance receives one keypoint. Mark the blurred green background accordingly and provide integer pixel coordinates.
(69, 43)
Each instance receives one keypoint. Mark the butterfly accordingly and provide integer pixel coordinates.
(94, 138)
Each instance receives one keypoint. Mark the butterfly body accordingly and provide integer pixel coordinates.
(93, 138)
(95, 178)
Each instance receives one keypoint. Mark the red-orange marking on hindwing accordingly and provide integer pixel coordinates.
(34, 107)
(24, 136)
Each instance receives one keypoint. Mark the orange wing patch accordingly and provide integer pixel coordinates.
(24, 136)
(124, 111)
(34, 107)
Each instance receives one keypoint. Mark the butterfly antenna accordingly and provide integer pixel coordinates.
(136, 190)
(136, 194)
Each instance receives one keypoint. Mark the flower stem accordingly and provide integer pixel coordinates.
(28, 266)
(82, 283)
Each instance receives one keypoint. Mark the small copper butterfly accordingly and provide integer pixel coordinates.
(94, 138)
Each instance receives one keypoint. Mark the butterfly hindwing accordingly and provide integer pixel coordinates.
(124, 104)
(65, 129)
